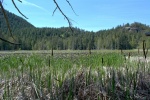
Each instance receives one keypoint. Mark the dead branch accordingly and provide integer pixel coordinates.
(6, 19)
(54, 11)
(20, 1)
(58, 7)
(71, 7)
(9, 41)
(18, 9)
(8, 25)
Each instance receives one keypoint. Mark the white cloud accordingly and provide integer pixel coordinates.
(34, 5)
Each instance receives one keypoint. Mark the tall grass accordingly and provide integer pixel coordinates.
(98, 76)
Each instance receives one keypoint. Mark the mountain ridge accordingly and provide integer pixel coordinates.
(127, 36)
(14, 21)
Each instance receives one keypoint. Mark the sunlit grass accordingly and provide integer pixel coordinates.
(77, 75)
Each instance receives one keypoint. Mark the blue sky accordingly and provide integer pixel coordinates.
(92, 15)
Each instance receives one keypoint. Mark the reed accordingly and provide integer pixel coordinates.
(99, 76)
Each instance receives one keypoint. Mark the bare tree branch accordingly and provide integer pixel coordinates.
(54, 11)
(20, 1)
(18, 9)
(6, 19)
(8, 25)
(70, 24)
(71, 7)
(9, 41)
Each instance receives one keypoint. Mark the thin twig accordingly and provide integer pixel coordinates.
(70, 24)
(54, 11)
(18, 9)
(71, 7)
(9, 41)
(20, 1)
(6, 19)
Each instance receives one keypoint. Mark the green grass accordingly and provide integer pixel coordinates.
(77, 74)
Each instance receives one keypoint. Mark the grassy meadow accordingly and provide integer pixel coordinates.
(74, 75)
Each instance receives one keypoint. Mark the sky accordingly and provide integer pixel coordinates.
(90, 15)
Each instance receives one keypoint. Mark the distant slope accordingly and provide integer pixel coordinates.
(15, 21)
(128, 36)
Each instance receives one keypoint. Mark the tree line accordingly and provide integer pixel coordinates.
(128, 36)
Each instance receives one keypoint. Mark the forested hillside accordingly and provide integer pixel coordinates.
(128, 36)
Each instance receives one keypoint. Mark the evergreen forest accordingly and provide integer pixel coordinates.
(127, 36)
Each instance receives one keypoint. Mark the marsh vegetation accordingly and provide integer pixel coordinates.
(74, 75)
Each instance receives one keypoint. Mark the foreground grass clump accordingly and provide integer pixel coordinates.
(73, 77)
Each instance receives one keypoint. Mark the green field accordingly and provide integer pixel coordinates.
(74, 75)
